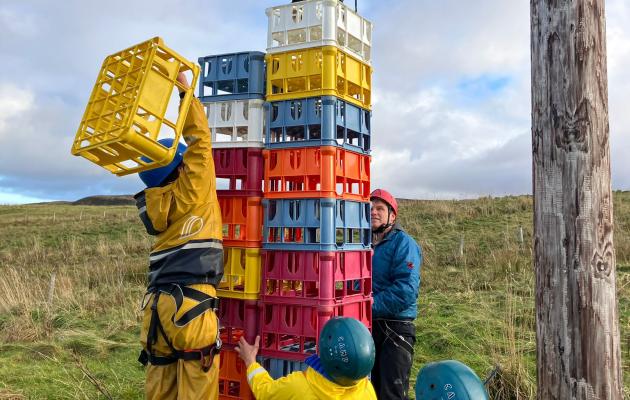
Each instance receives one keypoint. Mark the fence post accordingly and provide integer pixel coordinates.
(51, 288)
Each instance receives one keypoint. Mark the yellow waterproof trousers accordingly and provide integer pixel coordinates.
(182, 380)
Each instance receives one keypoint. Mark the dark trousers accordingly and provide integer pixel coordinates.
(394, 341)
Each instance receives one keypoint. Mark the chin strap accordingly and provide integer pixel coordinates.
(383, 227)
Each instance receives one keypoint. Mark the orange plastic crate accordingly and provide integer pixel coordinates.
(242, 221)
(316, 172)
(233, 377)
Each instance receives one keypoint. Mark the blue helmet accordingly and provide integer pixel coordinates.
(154, 177)
(445, 380)
(346, 350)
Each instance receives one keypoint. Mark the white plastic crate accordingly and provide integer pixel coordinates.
(236, 123)
(314, 23)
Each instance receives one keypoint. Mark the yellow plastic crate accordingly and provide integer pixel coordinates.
(127, 111)
(241, 273)
(319, 71)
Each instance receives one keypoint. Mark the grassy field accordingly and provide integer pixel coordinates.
(71, 280)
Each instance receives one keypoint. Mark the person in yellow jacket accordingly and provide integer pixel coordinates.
(346, 356)
(180, 328)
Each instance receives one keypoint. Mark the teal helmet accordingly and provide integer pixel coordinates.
(346, 350)
(154, 177)
(446, 380)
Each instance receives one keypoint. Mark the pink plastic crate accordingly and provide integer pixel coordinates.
(236, 318)
(291, 331)
(241, 168)
(316, 278)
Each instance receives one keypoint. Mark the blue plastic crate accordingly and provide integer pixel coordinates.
(316, 224)
(278, 367)
(235, 76)
(318, 121)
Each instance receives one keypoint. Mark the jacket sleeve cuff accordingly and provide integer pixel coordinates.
(253, 370)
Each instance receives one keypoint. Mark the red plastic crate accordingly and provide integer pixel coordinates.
(318, 278)
(233, 377)
(236, 318)
(242, 218)
(242, 168)
(291, 331)
(324, 171)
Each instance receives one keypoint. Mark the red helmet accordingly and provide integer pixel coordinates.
(387, 197)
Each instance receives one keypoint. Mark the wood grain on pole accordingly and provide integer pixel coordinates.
(577, 327)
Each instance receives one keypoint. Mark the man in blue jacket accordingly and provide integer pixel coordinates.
(395, 284)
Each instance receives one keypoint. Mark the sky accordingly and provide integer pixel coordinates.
(451, 88)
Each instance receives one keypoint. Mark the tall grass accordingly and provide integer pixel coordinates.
(477, 301)
(71, 278)
(70, 283)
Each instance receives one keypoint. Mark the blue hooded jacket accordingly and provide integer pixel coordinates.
(396, 276)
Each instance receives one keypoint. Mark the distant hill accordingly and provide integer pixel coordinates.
(117, 200)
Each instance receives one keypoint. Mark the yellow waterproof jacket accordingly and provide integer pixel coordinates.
(185, 214)
(306, 385)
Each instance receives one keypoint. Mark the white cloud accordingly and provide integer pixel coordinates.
(7, 198)
(16, 23)
(13, 101)
(442, 126)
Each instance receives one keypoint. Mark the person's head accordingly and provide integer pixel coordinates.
(168, 173)
(346, 350)
(384, 210)
(449, 379)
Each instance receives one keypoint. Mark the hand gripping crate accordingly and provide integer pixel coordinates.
(126, 114)
(238, 318)
(235, 76)
(317, 23)
(242, 221)
(241, 273)
(325, 171)
(233, 377)
(318, 121)
(241, 169)
(314, 277)
(324, 71)
(316, 225)
(236, 123)
(291, 331)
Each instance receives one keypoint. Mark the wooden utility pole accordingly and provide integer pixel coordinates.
(577, 327)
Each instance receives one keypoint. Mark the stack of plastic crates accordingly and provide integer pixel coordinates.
(231, 87)
(316, 260)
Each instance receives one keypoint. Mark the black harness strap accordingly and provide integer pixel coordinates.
(205, 354)
(205, 302)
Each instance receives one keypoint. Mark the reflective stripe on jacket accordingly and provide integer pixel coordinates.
(185, 214)
(306, 385)
(396, 276)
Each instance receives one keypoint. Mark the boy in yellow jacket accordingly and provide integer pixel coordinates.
(346, 357)
(180, 328)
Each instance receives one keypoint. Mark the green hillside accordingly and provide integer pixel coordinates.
(80, 339)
